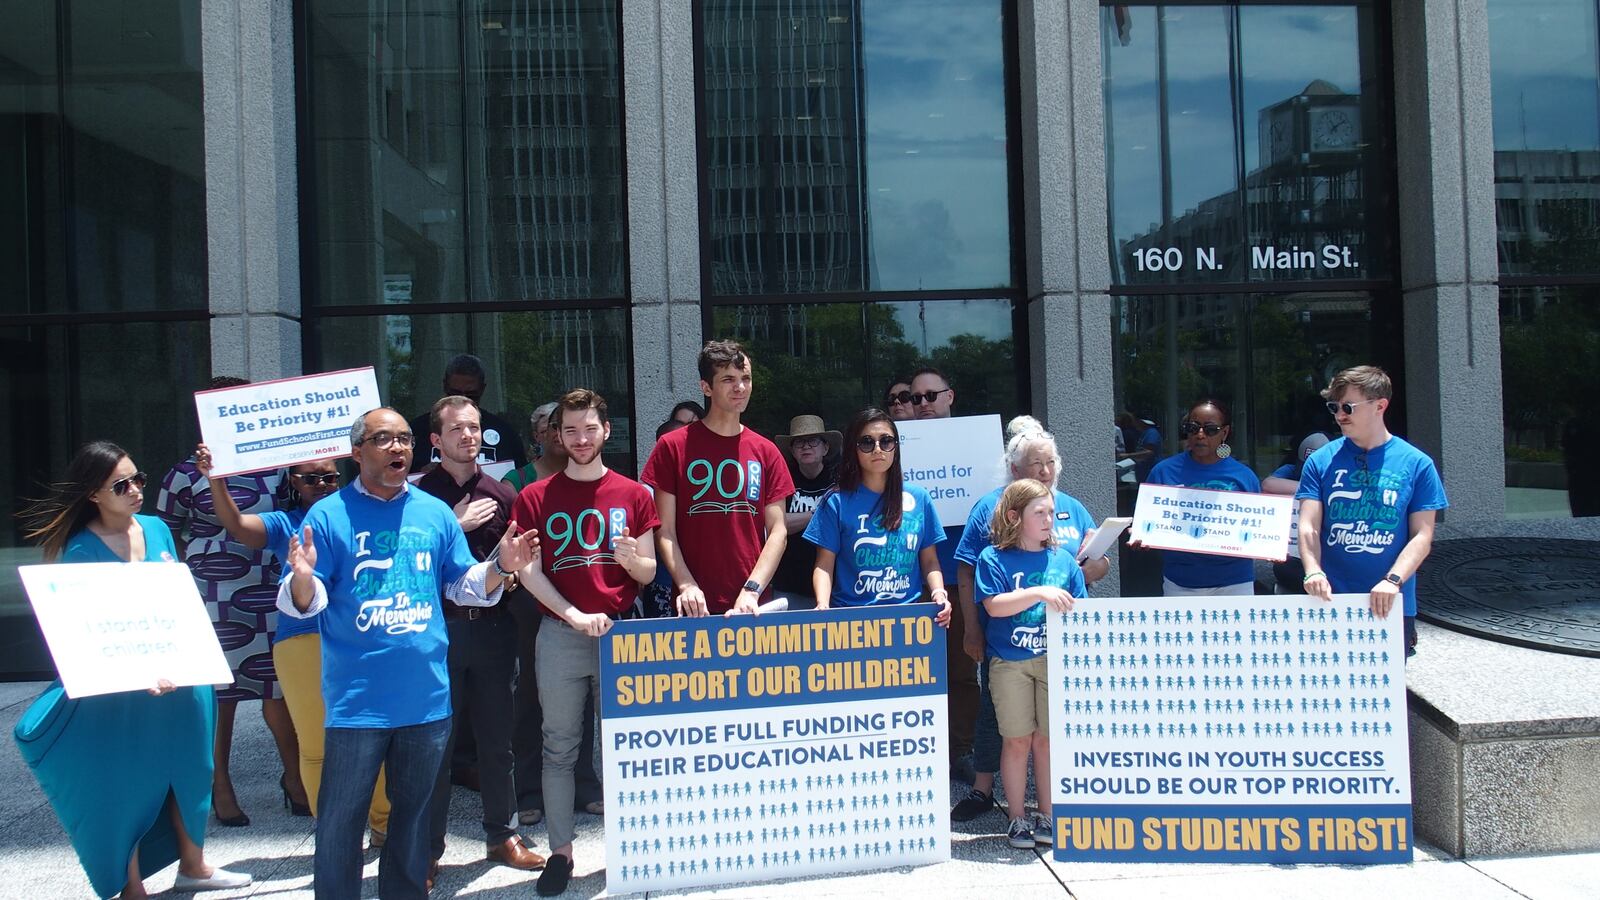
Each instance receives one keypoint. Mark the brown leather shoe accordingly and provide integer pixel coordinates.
(433, 873)
(512, 852)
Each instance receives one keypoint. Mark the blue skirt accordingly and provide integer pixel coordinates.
(107, 764)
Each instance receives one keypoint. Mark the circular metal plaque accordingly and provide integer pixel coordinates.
(1543, 594)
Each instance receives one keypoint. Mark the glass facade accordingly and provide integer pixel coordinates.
(103, 298)
(1544, 61)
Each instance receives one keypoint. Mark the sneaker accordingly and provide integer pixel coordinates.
(1019, 835)
(1044, 829)
(973, 805)
(218, 880)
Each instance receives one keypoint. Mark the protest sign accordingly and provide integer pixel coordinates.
(122, 626)
(1201, 520)
(272, 424)
(751, 748)
(1229, 729)
(955, 460)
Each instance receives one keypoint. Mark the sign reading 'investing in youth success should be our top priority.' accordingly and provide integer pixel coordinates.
(272, 424)
(955, 460)
(1202, 520)
(755, 748)
(1229, 729)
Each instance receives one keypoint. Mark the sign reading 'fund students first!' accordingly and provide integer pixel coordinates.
(756, 748)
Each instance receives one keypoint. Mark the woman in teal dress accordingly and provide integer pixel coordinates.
(128, 774)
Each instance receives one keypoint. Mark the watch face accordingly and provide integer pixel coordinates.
(1334, 129)
(1281, 131)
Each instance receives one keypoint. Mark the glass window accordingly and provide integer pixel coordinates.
(102, 158)
(464, 151)
(836, 359)
(531, 358)
(855, 146)
(1245, 143)
(1550, 377)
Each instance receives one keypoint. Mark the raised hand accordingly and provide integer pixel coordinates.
(518, 548)
(202, 460)
(626, 549)
(302, 554)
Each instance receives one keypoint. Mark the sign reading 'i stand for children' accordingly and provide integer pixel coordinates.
(751, 749)
(1229, 729)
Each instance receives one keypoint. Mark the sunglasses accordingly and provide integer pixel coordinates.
(383, 440)
(914, 399)
(866, 444)
(137, 480)
(1348, 409)
(312, 479)
(1188, 429)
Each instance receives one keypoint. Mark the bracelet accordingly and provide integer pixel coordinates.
(1311, 575)
(500, 571)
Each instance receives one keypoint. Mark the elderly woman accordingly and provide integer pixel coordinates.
(128, 774)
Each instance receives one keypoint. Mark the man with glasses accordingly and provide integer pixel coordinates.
(380, 560)
(465, 376)
(482, 659)
(1367, 503)
(931, 395)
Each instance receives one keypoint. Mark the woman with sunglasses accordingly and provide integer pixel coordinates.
(128, 774)
(875, 534)
(296, 644)
(1208, 464)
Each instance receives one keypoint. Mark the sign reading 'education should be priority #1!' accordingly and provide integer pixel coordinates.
(272, 424)
(755, 748)
(1201, 520)
(1229, 729)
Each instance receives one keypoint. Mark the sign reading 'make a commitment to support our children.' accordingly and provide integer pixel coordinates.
(116, 627)
(753, 748)
(1229, 729)
(271, 424)
(1201, 520)
(955, 460)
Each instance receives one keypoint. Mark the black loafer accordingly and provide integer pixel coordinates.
(557, 872)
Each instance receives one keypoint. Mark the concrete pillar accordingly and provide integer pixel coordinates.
(1069, 274)
(1448, 262)
(663, 209)
(252, 202)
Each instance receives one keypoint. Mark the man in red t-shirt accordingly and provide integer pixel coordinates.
(595, 529)
(721, 490)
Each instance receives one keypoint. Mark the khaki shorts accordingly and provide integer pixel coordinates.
(1021, 695)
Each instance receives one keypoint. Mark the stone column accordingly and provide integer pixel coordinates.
(252, 202)
(1069, 273)
(1448, 263)
(663, 209)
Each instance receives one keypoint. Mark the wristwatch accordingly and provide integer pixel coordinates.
(1393, 579)
(753, 586)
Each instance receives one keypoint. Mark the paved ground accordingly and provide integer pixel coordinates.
(37, 862)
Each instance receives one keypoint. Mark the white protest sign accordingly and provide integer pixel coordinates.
(115, 627)
(272, 424)
(955, 460)
(1201, 520)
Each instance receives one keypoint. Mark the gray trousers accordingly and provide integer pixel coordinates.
(568, 663)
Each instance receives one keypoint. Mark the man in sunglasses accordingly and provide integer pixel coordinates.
(1367, 503)
(465, 376)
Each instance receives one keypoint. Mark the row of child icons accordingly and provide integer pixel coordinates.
(776, 859)
(813, 831)
(1169, 730)
(760, 788)
(1257, 637)
(768, 811)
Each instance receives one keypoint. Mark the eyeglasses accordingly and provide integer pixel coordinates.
(897, 399)
(311, 479)
(137, 480)
(1348, 409)
(915, 399)
(805, 443)
(383, 440)
(1211, 429)
(886, 443)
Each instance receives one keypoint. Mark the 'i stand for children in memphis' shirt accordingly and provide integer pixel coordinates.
(579, 523)
(872, 566)
(383, 568)
(1367, 499)
(1205, 570)
(721, 486)
(1022, 635)
(1072, 523)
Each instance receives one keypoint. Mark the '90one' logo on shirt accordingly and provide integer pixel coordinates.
(736, 485)
(588, 530)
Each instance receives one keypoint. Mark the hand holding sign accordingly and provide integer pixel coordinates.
(691, 601)
(1055, 598)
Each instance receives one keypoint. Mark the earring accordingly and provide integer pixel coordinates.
(1224, 451)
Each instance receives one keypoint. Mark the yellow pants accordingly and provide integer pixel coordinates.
(298, 661)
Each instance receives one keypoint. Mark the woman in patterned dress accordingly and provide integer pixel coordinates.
(240, 586)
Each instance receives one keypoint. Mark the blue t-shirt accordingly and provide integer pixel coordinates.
(1022, 635)
(384, 642)
(1151, 438)
(1367, 499)
(1205, 570)
(1072, 523)
(874, 567)
(282, 525)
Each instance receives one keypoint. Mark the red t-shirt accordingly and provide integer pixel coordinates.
(721, 485)
(578, 522)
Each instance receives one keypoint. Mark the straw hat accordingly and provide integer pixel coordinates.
(809, 426)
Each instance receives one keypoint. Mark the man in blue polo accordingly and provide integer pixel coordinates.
(376, 562)
(1367, 503)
